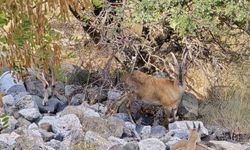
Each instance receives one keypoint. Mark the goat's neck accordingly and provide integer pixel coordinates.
(191, 144)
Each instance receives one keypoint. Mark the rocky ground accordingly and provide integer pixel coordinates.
(81, 125)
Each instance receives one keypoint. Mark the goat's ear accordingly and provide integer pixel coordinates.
(172, 67)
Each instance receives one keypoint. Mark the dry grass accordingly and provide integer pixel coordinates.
(228, 102)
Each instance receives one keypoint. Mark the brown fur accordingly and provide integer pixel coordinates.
(153, 90)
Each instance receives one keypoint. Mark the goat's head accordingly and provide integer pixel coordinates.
(194, 133)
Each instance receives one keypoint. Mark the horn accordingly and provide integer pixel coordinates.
(188, 126)
(184, 58)
(194, 125)
(174, 58)
(199, 127)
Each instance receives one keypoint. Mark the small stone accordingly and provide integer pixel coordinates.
(94, 138)
(46, 126)
(117, 140)
(65, 124)
(30, 114)
(173, 140)
(27, 101)
(151, 144)
(54, 144)
(47, 136)
(54, 105)
(122, 116)
(77, 99)
(104, 127)
(8, 100)
(114, 94)
(182, 125)
(129, 129)
(9, 139)
(144, 131)
(158, 131)
(22, 122)
(131, 146)
(188, 107)
(33, 126)
(71, 90)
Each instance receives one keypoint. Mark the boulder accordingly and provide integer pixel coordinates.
(180, 128)
(114, 94)
(151, 144)
(144, 131)
(54, 144)
(94, 138)
(30, 139)
(131, 146)
(8, 141)
(158, 131)
(27, 101)
(228, 145)
(77, 99)
(188, 107)
(104, 127)
(65, 124)
(8, 100)
(71, 90)
(54, 105)
(30, 114)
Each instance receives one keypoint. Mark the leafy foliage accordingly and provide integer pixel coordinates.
(4, 119)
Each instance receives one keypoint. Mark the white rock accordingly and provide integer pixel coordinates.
(151, 144)
(30, 114)
(65, 124)
(9, 139)
(229, 146)
(183, 125)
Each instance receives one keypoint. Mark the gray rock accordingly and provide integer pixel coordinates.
(188, 107)
(23, 123)
(80, 111)
(71, 90)
(8, 100)
(96, 94)
(218, 133)
(158, 131)
(34, 86)
(173, 140)
(122, 116)
(129, 129)
(30, 139)
(54, 144)
(60, 87)
(33, 126)
(114, 94)
(181, 127)
(27, 101)
(151, 144)
(145, 132)
(30, 114)
(99, 107)
(77, 99)
(70, 141)
(65, 124)
(14, 90)
(21, 94)
(47, 136)
(228, 145)
(117, 141)
(54, 105)
(104, 127)
(131, 146)
(47, 120)
(94, 138)
(8, 141)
